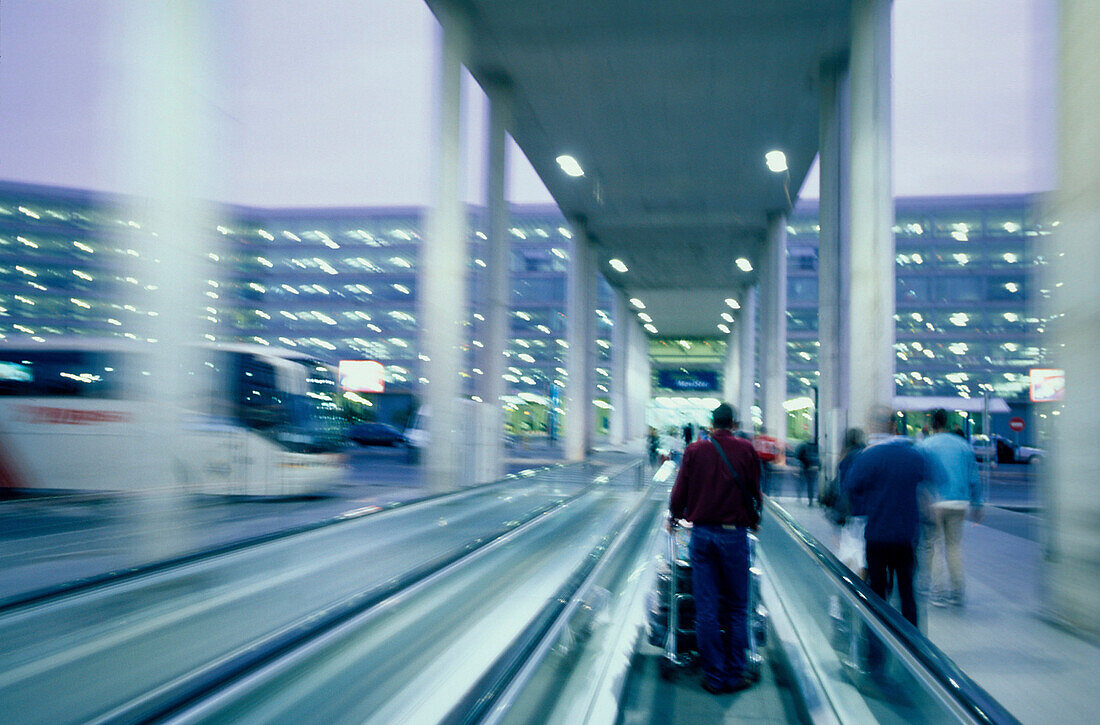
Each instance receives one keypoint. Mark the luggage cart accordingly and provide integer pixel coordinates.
(672, 614)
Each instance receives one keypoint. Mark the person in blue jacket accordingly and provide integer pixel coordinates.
(958, 491)
(887, 483)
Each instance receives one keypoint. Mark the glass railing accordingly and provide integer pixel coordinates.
(865, 662)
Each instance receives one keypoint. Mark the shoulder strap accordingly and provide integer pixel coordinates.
(746, 495)
(729, 466)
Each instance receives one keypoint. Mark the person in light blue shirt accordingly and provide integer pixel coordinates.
(957, 491)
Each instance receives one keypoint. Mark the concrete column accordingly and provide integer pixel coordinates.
(498, 282)
(871, 326)
(731, 366)
(746, 393)
(442, 280)
(640, 374)
(580, 297)
(622, 360)
(832, 264)
(164, 145)
(1073, 468)
(591, 356)
(773, 338)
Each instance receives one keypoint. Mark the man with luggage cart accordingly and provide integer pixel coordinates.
(717, 489)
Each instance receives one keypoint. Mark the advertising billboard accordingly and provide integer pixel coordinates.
(1047, 385)
(363, 376)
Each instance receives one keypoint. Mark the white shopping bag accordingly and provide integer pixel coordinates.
(851, 549)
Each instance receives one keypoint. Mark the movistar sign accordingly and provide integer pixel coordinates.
(691, 380)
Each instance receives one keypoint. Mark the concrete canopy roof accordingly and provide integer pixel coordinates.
(669, 107)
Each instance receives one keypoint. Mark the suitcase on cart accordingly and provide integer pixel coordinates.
(672, 609)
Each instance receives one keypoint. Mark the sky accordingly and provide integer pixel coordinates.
(333, 106)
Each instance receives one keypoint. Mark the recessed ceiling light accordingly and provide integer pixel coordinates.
(651, 328)
(617, 265)
(724, 329)
(569, 165)
(644, 317)
(776, 161)
(637, 303)
(734, 304)
(727, 317)
(743, 264)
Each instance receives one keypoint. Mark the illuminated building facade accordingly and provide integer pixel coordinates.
(338, 283)
(342, 284)
(968, 282)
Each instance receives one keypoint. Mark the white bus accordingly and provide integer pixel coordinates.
(263, 421)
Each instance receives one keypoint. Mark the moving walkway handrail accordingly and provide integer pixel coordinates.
(497, 688)
(978, 703)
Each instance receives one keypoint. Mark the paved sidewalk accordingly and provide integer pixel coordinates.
(1039, 672)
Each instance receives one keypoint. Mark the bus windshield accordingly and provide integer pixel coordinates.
(293, 402)
(61, 373)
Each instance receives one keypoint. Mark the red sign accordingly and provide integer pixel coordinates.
(1016, 424)
(766, 447)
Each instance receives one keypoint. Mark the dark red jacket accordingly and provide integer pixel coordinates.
(705, 492)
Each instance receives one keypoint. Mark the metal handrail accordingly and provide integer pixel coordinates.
(511, 670)
(970, 696)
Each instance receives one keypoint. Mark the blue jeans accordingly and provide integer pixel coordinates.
(720, 583)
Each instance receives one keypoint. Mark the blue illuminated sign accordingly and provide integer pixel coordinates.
(699, 381)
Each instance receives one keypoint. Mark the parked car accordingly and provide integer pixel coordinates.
(1001, 450)
(377, 434)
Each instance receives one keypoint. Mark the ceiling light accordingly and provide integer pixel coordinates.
(617, 265)
(744, 265)
(727, 317)
(733, 304)
(637, 303)
(651, 328)
(644, 317)
(776, 161)
(723, 328)
(799, 403)
(569, 165)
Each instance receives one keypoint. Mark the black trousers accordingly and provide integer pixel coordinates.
(886, 560)
(888, 563)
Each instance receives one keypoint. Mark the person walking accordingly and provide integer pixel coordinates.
(767, 449)
(958, 489)
(652, 442)
(717, 489)
(885, 484)
(806, 453)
